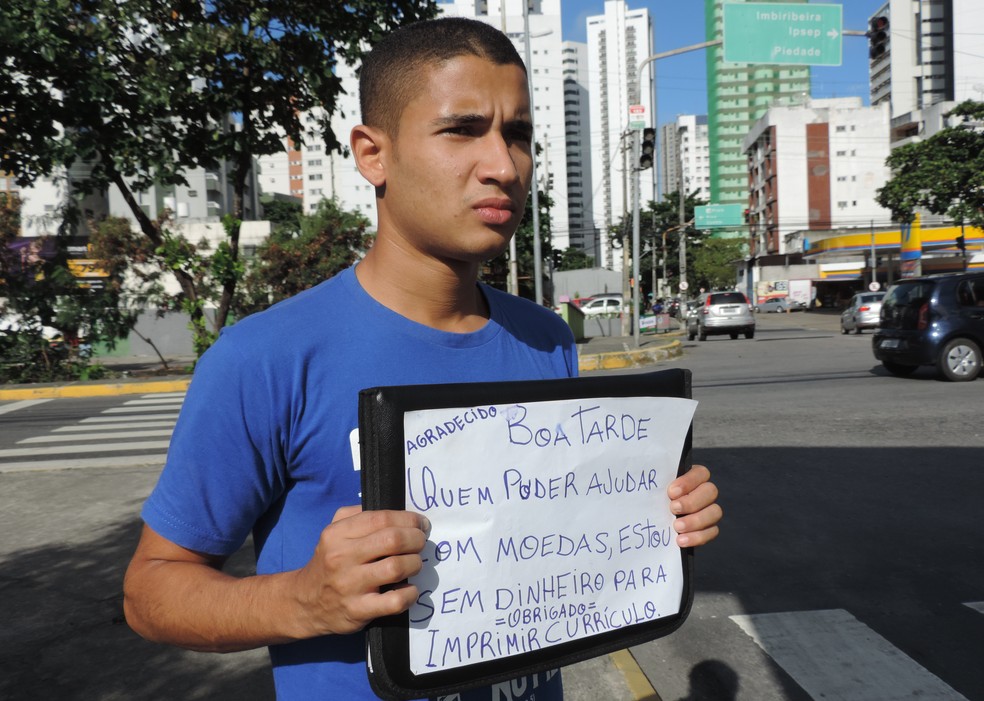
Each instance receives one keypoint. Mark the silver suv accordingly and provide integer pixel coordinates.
(719, 313)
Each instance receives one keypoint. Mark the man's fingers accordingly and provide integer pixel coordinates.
(702, 496)
(689, 481)
(353, 522)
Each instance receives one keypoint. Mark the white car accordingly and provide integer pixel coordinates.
(602, 305)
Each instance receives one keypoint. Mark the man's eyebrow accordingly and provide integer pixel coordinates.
(451, 120)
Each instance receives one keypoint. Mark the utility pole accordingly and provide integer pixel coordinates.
(537, 253)
(513, 260)
(682, 214)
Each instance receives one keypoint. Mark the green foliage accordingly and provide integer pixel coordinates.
(575, 259)
(284, 217)
(714, 263)
(50, 316)
(662, 219)
(140, 91)
(943, 174)
(326, 242)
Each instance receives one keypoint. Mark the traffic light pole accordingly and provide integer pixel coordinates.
(636, 184)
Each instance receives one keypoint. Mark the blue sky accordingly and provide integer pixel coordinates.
(681, 81)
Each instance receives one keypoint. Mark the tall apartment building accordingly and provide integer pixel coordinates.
(309, 172)
(577, 123)
(737, 95)
(618, 41)
(312, 173)
(815, 167)
(928, 59)
(686, 155)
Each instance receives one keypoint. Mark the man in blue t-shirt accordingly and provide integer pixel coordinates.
(265, 444)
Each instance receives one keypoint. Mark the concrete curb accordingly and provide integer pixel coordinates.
(105, 389)
(630, 358)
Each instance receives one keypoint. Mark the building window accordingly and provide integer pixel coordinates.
(315, 176)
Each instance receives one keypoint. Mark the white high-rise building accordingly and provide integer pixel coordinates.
(577, 122)
(926, 59)
(546, 59)
(686, 154)
(311, 173)
(618, 41)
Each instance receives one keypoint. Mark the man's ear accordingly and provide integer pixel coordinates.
(369, 148)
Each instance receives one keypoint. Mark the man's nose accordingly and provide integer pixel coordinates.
(498, 162)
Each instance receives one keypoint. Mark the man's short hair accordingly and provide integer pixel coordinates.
(392, 72)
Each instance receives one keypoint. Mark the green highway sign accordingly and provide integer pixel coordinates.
(795, 33)
(712, 216)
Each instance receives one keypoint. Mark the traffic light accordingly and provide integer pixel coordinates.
(648, 148)
(961, 243)
(877, 36)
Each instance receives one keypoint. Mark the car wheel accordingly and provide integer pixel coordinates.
(960, 360)
(750, 333)
(691, 335)
(844, 329)
(857, 328)
(898, 369)
(779, 310)
(734, 335)
(702, 336)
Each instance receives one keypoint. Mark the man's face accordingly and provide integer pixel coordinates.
(460, 166)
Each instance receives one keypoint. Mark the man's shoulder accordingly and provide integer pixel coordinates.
(523, 314)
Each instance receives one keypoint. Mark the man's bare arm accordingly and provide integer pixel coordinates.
(182, 597)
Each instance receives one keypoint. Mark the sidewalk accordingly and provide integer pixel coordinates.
(145, 374)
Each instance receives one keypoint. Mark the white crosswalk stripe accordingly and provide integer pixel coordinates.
(114, 426)
(101, 441)
(858, 664)
(114, 435)
(117, 419)
(976, 605)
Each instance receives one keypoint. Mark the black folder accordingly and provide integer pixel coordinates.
(383, 448)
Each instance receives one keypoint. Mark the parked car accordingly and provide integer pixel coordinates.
(780, 304)
(936, 320)
(719, 313)
(605, 304)
(862, 312)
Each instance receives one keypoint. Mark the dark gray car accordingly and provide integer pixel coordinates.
(936, 320)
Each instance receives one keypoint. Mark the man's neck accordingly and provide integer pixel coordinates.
(441, 295)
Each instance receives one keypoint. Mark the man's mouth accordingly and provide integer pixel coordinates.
(494, 210)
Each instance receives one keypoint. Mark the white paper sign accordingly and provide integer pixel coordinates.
(550, 523)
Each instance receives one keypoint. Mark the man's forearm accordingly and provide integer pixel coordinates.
(196, 606)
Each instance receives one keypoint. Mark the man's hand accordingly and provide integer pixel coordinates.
(359, 560)
(693, 499)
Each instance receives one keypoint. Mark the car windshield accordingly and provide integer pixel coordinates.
(727, 298)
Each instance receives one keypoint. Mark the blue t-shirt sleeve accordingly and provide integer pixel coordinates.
(225, 464)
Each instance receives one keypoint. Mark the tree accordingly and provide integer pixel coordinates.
(943, 173)
(662, 220)
(141, 91)
(39, 293)
(714, 262)
(575, 259)
(325, 243)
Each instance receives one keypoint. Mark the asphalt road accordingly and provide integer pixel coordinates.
(852, 543)
(851, 548)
